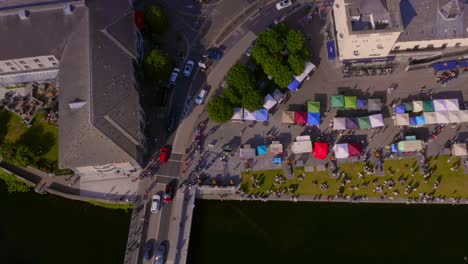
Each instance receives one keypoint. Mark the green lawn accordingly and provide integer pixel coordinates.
(452, 183)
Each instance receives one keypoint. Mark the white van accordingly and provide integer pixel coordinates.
(174, 75)
(201, 97)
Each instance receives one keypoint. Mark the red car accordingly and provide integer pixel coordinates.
(164, 155)
(169, 194)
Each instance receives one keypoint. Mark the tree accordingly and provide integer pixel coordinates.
(296, 62)
(295, 41)
(283, 75)
(241, 78)
(220, 109)
(252, 101)
(233, 95)
(271, 40)
(157, 66)
(282, 29)
(8, 151)
(155, 19)
(23, 156)
(14, 184)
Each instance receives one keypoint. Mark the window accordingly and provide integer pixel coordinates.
(41, 65)
(396, 48)
(430, 46)
(13, 68)
(8, 64)
(444, 46)
(356, 52)
(37, 60)
(1, 70)
(54, 63)
(51, 59)
(416, 47)
(22, 62)
(458, 44)
(27, 67)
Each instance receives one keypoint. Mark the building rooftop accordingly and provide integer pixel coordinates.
(364, 16)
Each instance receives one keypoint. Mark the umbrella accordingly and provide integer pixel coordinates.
(313, 107)
(339, 123)
(402, 120)
(352, 123)
(364, 122)
(341, 151)
(374, 104)
(337, 101)
(417, 106)
(376, 120)
(354, 149)
(361, 103)
(320, 150)
(459, 149)
(262, 150)
(313, 119)
(350, 101)
(400, 109)
(428, 106)
(300, 117)
(408, 106)
(288, 117)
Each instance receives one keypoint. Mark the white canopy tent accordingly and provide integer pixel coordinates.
(277, 95)
(275, 147)
(430, 117)
(446, 105)
(455, 116)
(248, 115)
(302, 145)
(339, 123)
(374, 104)
(270, 102)
(238, 114)
(417, 106)
(463, 115)
(341, 151)
(459, 149)
(402, 120)
(442, 117)
(308, 67)
(439, 105)
(376, 120)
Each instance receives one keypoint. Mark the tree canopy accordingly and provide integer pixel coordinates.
(155, 19)
(220, 109)
(157, 66)
(252, 100)
(241, 78)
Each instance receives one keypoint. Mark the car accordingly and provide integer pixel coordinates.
(213, 53)
(283, 4)
(188, 68)
(248, 53)
(201, 97)
(174, 75)
(161, 254)
(169, 194)
(171, 122)
(149, 247)
(156, 203)
(164, 155)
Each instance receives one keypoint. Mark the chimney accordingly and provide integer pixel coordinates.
(23, 14)
(68, 9)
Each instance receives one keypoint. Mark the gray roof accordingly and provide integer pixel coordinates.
(96, 46)
(373, 15)
(433, 19)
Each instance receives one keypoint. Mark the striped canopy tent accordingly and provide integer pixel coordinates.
(339, 123)
(430, 117)
(352, 123)
(459, 149)
(364, 122)
(428, 106)
(300, 117)
(442, 117)
(408, 107)
(313, 107)
(350, 102)
(376, 120)
(417, 106)
(337, 101)
(288, 117)
(374, 104)
(402, 119)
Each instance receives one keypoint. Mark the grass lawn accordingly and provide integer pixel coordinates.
(452, 183)
(42, 137)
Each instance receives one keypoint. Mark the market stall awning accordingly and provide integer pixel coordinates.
(313, 107)
(442, 117)
(364, 122)
(417, 106)
(412, 121)
(428, 106)
(400, 109)
(410, 145)
(452, 104)
(301, 146)
(294, 85)
(354, 149)
(408, 107)
(261, 115)
(374, 104)
(277, 95)
(439, 105)
(313, 119)
(445, 65)
(308, 68)
(339, 123)
(341, 151)
(320, 150)
(288, 117)
(300, 117)
(270, 102)
(459, 149)
(402, 119)
(352, 123)
(275, 148)
(463, 115)
(350, 102)
(420, 120)
(361, 103)
(262, 150)
(246, 152)
(337, 101)
(376, 120)
(238, 114)
(430, 117)
(249, 115)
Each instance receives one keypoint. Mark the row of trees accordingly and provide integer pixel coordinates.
(157, 67)
(241, 92)
(281, 53)
(23, 156)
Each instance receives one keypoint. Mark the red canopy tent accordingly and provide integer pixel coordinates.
(300, 117)
(320, 150)
(354, 149)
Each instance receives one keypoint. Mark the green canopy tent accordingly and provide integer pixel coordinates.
(350, 102)
(313, 107)
(408, 107)
(337, 101)
(364, 122)
(428, 106)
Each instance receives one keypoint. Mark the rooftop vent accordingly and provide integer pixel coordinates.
(23, 14)
(76, 104)
(68, 9)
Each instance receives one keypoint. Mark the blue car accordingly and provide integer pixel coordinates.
(149, 247)
(214, 53)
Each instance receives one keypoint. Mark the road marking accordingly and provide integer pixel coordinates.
(168, 176)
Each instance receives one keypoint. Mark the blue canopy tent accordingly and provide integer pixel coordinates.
(331, 51)
(294, 85)
(420, 120)
(400, 109)
(361, 103)
(277, 160)
(262, 150)
(313, 119)
(412, 121)
(445, 65)
(463, 63)
(261, 115)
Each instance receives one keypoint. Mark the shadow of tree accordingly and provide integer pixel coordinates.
(4, 119)
(38, 140)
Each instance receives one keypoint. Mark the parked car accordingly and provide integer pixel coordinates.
(149, 247)
(169, 194)
(156, 204)
(188, 68)
(201, 97)
(164, 155)
(213, 53)
(283, 4)
(248, 53)
(174, 75)
(161, 254)
(171, 122)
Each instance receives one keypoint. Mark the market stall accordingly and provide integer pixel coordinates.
(288, 117)
(262, 150)
(346, 150)
(339, 123)
(352, 123)
(313, 119)
(417, 106)
(374, 104)
(238, 114)
(350, 102)
(320, 150)
(459, 149)
(300, 118)
(337, 101)
(270, 102)
(275, 148)
(376, 120)
(302, 145)
(313, 107)
(402, 119)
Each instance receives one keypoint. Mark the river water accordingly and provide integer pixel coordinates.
(285, 232)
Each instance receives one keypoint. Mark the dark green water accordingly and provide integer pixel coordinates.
(285, 232)
(46, 229)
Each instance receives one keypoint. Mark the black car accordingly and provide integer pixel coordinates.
(149, 247)
(214, 53)
(161, 254)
